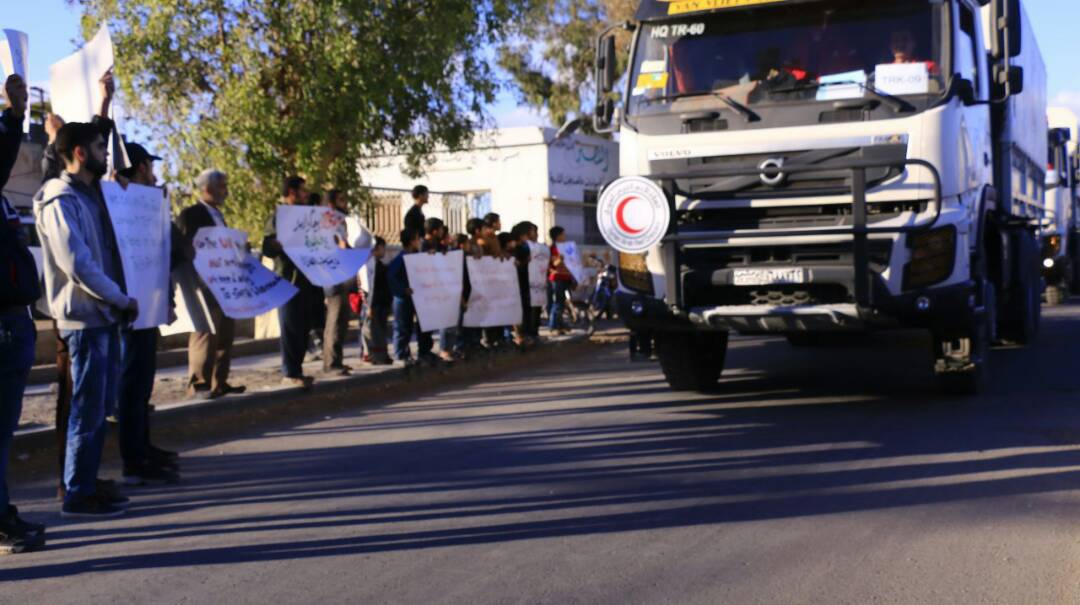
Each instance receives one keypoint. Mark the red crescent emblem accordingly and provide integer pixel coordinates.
(620, 220)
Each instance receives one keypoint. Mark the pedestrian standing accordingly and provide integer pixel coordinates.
(336, 299)
(209, 353)
(561, 280)
(138, 365)
(379, 302)
(84, 284)
(405, 321)
(435, 241)
(18, 290)
(414, 218)
(520, 238)
(535, 311)
(52, 166)
(293, 316)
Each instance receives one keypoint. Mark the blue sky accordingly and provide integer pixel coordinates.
(53, 28)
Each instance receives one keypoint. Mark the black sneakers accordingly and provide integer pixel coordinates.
(149, 474)
(94, 506)
(17, 535)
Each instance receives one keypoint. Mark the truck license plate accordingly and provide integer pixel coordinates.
(769, 277)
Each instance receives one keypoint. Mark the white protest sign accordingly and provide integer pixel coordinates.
(495, 299)
(436, 282)
(15, 58)
(539, 260)
(310, 236)
(240, 284)
(902, 78)
(73, 80)
(572, 258)
(358, 235)
(192, 312)
(140, 219)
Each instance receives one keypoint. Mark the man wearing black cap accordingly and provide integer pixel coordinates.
(143, 463)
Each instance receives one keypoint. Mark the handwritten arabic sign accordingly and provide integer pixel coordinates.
(243, 287)
(310, 236)
(495, 299)
(572, 258)
(540, 259)
(140, 219)
(436, 282)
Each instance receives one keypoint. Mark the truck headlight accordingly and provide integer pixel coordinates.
(1051, 246)
(634, 274)
(933, 255)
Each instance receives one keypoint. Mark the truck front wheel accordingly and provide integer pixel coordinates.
(692, 361)
(1019, 320)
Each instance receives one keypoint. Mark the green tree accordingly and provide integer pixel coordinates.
(551, 61)
(266, 88)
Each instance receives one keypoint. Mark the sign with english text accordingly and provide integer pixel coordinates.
(242, 287)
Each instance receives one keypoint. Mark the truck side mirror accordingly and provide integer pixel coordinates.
(964, 90)
(605, 81)
(1006, 40)
(1008, 80)
(606, 63)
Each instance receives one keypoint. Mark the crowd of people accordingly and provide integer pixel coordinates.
(106, 367)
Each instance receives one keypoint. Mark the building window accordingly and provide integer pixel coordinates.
(592, 229)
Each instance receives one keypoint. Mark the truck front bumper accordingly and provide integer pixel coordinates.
(937, 309)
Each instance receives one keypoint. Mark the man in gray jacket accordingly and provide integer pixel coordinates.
(84, 287)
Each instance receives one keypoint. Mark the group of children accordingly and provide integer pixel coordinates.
(387, 292)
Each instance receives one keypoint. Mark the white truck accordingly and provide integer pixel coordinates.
(1060, 249)
(807, 167)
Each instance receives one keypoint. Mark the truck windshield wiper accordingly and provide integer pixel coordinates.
(897, 104)
(748, 114)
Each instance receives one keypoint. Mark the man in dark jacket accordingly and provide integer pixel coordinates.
(209, 353)
(18, 288)
(414, 218)
(405, 321)
(293, 316)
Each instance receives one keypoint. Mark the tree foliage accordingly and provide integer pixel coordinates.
(551, 62)
(266, 88)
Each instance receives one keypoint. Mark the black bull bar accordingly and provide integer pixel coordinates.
(859, 230)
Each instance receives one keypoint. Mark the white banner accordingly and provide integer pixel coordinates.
(572, 258)
(240, 284)
(495, 299)
(310, 236)
(539, 261)
(436, 282)
(73, 80)
(140, 219)
(192, 312)
(15, 57)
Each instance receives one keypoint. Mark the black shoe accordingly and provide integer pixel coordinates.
(228, 390)
(109, 492)
(11, 524)
(171, 464)
(90, 507)
(147, 474)
(13, 543)
(197, 389)
(157, 452)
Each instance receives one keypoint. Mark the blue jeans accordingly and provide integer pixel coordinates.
(95, 374)
(448, 340)
(404, 325)
(17, 337)
(138, 354)
(558, 303)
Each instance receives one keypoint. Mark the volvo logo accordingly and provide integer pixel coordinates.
(772, 172)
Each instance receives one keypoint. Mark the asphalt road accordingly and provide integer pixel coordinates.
(825, 475)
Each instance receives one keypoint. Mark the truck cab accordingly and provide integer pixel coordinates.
(1060, 253)
(828, 166)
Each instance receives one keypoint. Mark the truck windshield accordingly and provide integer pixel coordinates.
(819, 51)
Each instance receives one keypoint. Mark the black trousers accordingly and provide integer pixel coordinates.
(294, 319)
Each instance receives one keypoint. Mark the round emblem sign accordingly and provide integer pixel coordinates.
(633, 214)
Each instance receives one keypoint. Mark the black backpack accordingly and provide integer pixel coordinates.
(18, 273)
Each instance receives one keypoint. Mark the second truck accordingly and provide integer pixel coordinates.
(826, 166)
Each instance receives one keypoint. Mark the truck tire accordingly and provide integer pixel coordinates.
(1019, 323)
(692, 361)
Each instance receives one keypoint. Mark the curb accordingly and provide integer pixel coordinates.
(204, 418)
